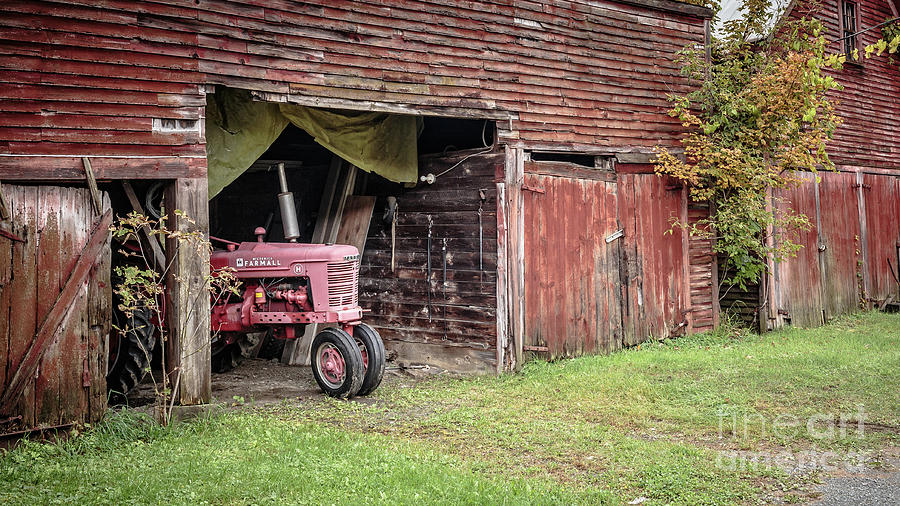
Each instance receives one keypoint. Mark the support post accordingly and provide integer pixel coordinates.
(188, 345)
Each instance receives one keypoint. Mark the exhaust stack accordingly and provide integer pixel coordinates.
(288, 209)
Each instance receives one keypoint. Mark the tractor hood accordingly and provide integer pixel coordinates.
(262, 259)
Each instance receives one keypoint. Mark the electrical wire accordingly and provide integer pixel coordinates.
(470, 155)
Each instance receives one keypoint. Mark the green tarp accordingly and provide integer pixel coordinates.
(239, 130)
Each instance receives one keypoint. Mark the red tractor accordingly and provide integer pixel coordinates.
(287, 286)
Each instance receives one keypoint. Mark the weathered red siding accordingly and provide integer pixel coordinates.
(584, 294)
(573, 289)
(868, 104)
(848, 252)
(87, 77)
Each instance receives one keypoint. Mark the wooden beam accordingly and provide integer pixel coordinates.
(92, 185)
(338, 187)
(105, 168)
(159, 257)
(188, 346)
(4, 208)
(58, 313)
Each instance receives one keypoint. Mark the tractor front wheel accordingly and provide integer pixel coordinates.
(337, 363)
(372, 349)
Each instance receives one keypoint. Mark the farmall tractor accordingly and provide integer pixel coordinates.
(287, 286)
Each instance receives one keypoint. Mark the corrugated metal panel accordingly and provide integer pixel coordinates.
(86, 78)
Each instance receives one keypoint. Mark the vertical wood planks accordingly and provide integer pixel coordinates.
(23, 291)
(882, 218)
(55, 224)
(188, 346)
(840, 235)
(47, 385)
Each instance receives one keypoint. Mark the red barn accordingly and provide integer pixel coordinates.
(851, 253)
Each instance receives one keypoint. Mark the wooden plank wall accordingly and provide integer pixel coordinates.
(586, 295)
(847, 251)
(458, 331)
(703, 274)
(839, 233)
(868, 104)
(654, 257)
(87, 77)
(70, 383)
(573, 294)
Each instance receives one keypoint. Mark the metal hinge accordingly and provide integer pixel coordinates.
(534, 189)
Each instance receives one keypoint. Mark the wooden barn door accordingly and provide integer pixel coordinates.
(54, 307)
(572, 298)
(603, 266)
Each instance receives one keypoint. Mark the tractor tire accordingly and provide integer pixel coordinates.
(225, 356)
(271, 347)
(372, 349)
(135, 350)
(337, 363)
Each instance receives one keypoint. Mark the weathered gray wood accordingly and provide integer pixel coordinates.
(188, 346)
(159, 257)
(57, 313)
(92, 185)
(355, 221)
(4, 208)
(338, 187)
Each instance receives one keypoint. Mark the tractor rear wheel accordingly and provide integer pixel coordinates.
(131, 354)
(337, 363)
(372, 349)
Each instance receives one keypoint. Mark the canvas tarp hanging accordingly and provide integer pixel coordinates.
(240, 130)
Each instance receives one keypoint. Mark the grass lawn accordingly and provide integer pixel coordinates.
(674, 422)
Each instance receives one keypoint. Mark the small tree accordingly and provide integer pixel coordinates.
(140, 286)
(761, 114)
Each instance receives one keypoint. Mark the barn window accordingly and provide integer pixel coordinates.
(849, 26)
(170, 125)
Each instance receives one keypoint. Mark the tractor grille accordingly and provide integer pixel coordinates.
(343, 279)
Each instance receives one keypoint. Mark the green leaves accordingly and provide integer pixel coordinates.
(761, 115)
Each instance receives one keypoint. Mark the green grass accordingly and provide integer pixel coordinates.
(649, 422)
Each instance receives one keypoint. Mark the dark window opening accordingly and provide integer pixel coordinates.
(849, 26)
(575, 158)
(442, 135)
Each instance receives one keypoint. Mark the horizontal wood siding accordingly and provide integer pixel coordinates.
(702, 271)
(87, 77)
(458, 330)
(868, 104)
